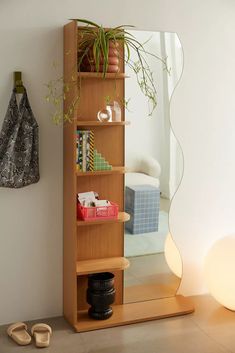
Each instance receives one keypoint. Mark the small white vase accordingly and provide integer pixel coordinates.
(115, 111)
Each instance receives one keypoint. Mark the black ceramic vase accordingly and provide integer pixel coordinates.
(100, 295)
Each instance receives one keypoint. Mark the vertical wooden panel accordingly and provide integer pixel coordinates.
(94, 92)
(70, 230)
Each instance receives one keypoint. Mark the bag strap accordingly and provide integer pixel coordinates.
(23, 105)
(24, 102)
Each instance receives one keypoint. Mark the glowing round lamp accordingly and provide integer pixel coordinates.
(219, 271)
(172, 256)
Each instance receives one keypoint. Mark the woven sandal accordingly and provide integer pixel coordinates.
(42, 334)
(18, 332)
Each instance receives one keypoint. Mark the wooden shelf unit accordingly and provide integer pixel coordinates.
(91, 247)
(87, 245)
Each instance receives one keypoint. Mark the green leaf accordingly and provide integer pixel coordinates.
(128, 51)
(85, 21)
(97, 52)
(105, 50)
(123, 26)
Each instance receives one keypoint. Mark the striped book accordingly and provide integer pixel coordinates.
(85, 150)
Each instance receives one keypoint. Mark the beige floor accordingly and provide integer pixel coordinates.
(211, 329)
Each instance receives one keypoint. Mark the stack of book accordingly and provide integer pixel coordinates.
(85, 150)
(88, 158)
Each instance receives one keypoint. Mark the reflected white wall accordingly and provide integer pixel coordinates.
(143, 137)
(152, 135)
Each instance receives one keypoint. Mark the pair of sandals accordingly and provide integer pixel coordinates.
(41, 333)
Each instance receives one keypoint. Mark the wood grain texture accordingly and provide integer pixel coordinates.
(86, 267)
(70, 222)
(137, 312)
(100, 242)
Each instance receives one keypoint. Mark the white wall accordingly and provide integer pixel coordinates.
(202, 115)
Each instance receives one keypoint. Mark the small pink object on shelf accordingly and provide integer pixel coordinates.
(96, 213)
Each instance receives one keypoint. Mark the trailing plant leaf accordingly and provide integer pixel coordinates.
(57, 93)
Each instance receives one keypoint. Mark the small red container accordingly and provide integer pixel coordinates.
(97, 213)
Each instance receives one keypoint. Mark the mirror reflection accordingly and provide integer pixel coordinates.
(154, 163)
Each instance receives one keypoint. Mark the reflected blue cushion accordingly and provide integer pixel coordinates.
(142, 202)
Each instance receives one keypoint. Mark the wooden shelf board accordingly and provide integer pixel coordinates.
(99, 75)
(122, 217)
(114, 170)
(101, 265)
(97, 123)
(137, 312)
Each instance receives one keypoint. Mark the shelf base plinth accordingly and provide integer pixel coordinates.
(137, 312)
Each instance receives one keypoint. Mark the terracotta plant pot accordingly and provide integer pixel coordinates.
(113, 60)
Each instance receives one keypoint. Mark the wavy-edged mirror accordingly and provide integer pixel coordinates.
(154, 163)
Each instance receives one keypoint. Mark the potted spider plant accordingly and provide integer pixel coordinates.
(100, 50)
